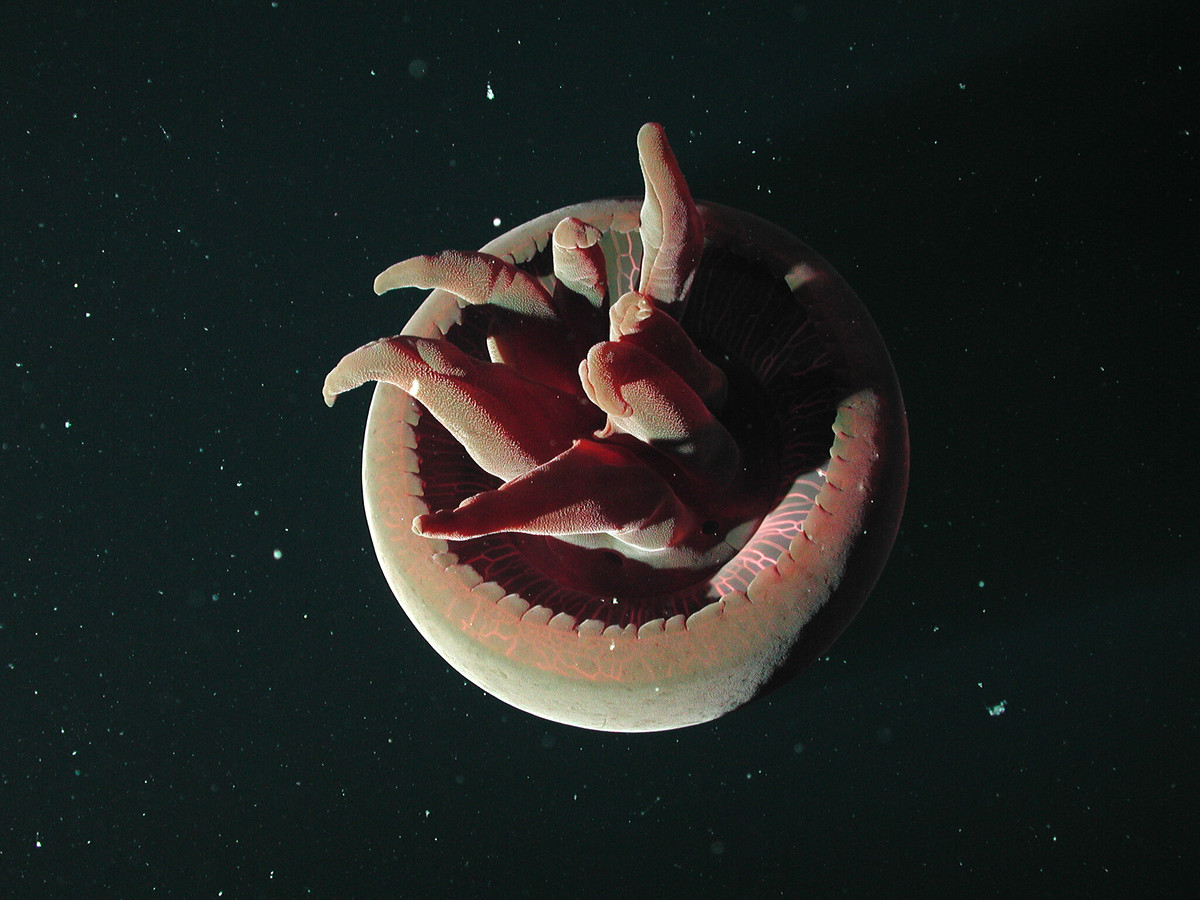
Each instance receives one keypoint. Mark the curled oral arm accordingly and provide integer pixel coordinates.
(643, 397)
(637, 320)
(579, 260)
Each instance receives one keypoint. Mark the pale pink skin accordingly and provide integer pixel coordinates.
(616, 452)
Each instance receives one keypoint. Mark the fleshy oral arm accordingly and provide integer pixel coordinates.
(593, 488)
(527, 331)
(672, 231)
(507, 423)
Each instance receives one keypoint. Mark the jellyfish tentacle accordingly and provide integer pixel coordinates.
(595, 487)
(506, 423)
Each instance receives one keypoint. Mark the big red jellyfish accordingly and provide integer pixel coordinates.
(632, 462)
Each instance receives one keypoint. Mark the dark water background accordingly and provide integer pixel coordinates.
(206, 689)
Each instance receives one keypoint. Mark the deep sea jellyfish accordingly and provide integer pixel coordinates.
(633, 462)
